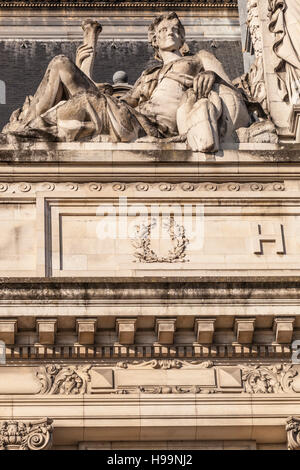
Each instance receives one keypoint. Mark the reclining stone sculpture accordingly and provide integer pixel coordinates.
(184, 98)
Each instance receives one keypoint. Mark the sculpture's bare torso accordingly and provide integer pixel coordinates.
(170, 89)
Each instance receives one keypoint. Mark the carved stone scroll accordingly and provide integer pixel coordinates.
(19, 435)
(293, 433)
(71, 380)
(277, 378)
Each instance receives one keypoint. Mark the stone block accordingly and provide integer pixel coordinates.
(204, 329)
(283, 329)
(229, 377)
(126, 330)
(165, 329)
(101, 378)
(8, 329)
(46, 329)
(86, 328)
(244, 330)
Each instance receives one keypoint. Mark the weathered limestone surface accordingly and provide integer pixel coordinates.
(203, 363)
(148, 290)
(48, 210)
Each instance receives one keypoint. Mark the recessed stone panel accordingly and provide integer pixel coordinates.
(19, 380)
(205, 377)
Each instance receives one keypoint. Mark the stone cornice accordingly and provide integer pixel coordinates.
(118, 4)
(38, 289)
(24, 354)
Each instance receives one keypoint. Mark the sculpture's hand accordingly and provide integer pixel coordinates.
(203, 84)
(83, 52)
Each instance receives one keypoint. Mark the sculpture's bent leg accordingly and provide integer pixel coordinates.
(63, 79)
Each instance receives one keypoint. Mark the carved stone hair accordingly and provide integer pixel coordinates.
(152, 33)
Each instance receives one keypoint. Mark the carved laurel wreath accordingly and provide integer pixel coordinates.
(142, 243)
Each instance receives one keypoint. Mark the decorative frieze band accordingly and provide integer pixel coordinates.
(119, 4)
(192, 377)
(152, 376)
(121, 187)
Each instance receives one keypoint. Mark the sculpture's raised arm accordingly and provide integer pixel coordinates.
(86, 53)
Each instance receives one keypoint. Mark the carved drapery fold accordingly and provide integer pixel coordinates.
(252, 83)
(284, 25)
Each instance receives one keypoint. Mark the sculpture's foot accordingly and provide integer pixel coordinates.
(262, 132)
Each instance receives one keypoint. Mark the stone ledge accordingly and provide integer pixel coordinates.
(150, 417)
(36, 151)
(38, 288)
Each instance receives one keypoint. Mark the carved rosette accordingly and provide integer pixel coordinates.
(18, 435)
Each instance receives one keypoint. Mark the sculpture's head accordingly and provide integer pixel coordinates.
(166, 33)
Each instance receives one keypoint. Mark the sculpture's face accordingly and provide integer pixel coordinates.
(168, 37)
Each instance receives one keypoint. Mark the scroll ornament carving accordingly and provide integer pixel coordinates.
(142, 243)
(71, 380)
(293, 433)
(166, 389)
(142, 186)
(177, 390)
(163, 364)
(17, 435)
(277, 378)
